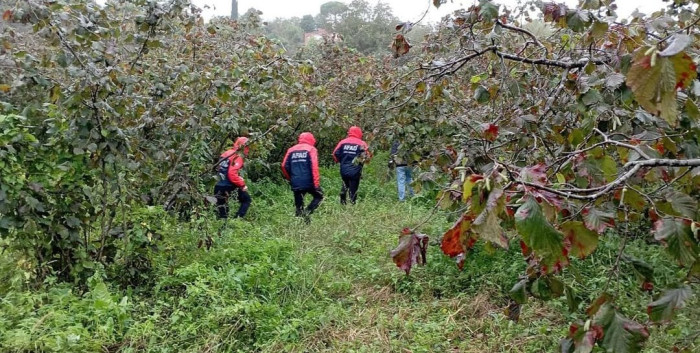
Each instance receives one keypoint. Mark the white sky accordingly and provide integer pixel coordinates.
(406, 10)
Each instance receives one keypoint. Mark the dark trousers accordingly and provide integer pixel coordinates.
(299, 201)
(350, 184)
(222, 193)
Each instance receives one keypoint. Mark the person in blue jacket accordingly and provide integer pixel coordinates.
(351, 152)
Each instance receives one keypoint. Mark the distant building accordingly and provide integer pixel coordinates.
(322, 34)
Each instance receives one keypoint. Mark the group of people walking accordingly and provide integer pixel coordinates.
(300, 168)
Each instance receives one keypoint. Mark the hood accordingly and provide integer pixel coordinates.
(355, 131)
(240, 142)
(307, 138)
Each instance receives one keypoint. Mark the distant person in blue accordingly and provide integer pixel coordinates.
(404, 174)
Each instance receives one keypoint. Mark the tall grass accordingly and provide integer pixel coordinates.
(271, 283)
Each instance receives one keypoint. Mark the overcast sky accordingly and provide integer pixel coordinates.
(406, 10)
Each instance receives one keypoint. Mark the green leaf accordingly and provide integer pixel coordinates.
(581, 241)
(633, 199)
(641, 268)
(665, 306)
(679, 239)
(682, 203)
(599, 29)
(620, 335)
(487, 10)
(545, 241)
(547, 288)
(608, 167)
(577, 20)
(572, 300)
(519, 291)
(481, 94)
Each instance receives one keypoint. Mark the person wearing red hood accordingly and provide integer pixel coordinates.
(300, 167)
(351, 152)
(230, 180)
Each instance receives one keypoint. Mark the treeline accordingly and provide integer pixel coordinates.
(361, 25)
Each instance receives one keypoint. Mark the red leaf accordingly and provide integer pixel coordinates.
(410, 251)
(7, 15)
(459, 239)
(490, 131)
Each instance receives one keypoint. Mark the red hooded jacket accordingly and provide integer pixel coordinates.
(235, 162)
(347, 150)
(300, 164)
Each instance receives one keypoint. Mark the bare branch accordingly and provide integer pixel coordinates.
(526, 32)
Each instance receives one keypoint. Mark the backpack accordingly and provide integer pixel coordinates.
(222, 166)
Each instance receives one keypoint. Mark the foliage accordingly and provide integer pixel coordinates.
(562, 125)
(272, 283)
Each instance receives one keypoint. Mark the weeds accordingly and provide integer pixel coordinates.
(271, 283)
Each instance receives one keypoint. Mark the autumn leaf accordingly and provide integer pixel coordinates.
(580, 240)
(400, 45)
(597, 220)
(410, 251)
(489, 131)
(437, 3)
(468, 185)
(7, 15)
(663, 308)
(654, 81)
(487, 224)
(538, 234)
(459, 239)
(620, 335)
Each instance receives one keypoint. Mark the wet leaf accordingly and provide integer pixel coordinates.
(546, 242)
(663, 308)
(678, 43)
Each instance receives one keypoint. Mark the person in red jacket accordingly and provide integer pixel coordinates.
(351, 152)
(300, 167)
(230, 180)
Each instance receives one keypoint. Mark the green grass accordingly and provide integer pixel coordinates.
(271, 283)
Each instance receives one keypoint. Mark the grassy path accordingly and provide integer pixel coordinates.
(273, 284)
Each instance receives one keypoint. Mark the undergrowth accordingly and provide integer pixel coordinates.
(271, 283)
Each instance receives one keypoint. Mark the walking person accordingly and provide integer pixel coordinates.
(300, 167)
(230, 181)
(351, 152)
(404, 174)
